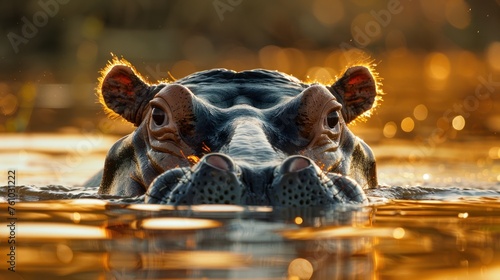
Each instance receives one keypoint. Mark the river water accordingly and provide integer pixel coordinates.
(434, 217)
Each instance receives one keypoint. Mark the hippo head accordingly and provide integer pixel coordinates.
(254, 137)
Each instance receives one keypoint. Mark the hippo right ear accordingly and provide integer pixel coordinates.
(358, 92)
(123, 92)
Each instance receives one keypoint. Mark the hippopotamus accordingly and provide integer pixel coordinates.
(254, 137)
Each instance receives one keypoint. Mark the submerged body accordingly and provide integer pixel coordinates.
(254, 137)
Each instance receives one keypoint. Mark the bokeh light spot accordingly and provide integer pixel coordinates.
(458, 122)
(493, 123)
(328, 12)
(64, 253)
(92, 28)
(398, 233)
(493, 55)
(199, 50)
(438, 66)
(87, 52)
(390, 129)
(275, 58)
(464, 215)
(494, 153)
(300, 269)
(8, 104)
(183, 68)
(407, 124)
(420, 112)
(457, 13)
(426, 177)
(467, 64)
(76, 217)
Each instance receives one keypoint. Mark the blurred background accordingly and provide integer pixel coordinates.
(439, 61)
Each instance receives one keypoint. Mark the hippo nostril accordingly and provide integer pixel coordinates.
(220, 161)
(295, 164)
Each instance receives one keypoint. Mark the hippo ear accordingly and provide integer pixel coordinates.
(357, 90)
(125, 93)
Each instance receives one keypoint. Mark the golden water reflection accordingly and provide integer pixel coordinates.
(398, 238)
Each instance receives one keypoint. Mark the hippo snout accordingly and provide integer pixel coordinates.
(217, 179)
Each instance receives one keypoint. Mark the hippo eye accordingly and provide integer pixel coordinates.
(158, 116)
(332, 119)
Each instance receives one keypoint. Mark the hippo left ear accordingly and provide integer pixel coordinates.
(125, 93)
(357, 90)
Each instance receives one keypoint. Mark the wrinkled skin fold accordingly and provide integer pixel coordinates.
(255, 137)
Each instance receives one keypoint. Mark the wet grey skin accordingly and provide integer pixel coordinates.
(254, 137)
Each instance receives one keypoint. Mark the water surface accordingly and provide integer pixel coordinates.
(433, 218)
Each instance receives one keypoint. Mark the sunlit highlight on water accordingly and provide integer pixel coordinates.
(338, 232)
(150, 207)
(401, 237)
(175, 260)
(217, 208)
(178, 224)
(86, 201)
(37, 230)
(463, 215)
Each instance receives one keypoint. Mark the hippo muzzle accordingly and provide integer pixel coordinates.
(216, 179)
(249, 138)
